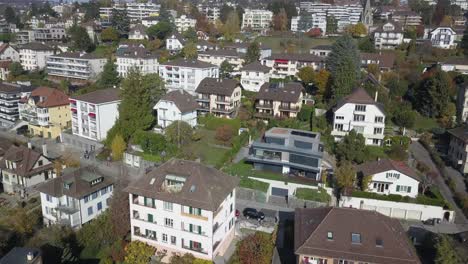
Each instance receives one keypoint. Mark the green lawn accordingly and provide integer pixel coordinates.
(206, 148)
(425, 123)
(319, 195)
(253, 184)
(303, 44)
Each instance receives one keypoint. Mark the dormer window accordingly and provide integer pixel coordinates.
(355, 238)
(330, 235)
(67, 185)
(96, 181)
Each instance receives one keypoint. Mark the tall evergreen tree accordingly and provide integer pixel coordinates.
(109, 76)
(464, 42)
(344, 66)
(433, 94)
(120, 21)
(10, 15)
(80, 39)
(253, 53)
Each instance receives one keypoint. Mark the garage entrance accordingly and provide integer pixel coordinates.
(279, 191)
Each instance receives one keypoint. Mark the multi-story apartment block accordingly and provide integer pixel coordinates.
(23, 168)
(284, 65)
(220, 97)
(254, 75)
(388, 35)
(463, 4)
(288, 151)
(256, 19)
(183, 23)
(135, 11)
(24, 36)
(443, 37)
(307, 21)
(458, 148)
(150, 21)
(177, 105)
(217, 57)
(175, 42)
(406, 18)
(184, 207)
(138, 32)
(10, 94)
(136, 57)
(212, 12)
(49, 34)
(345, 12)
(7, 52)
(75, 66)
(279, 100)
(349, 235)
(95, 113)
(390, 177)
(361, 113)
(75, 198)
(186, 74)
(33, 56)
(47, 112)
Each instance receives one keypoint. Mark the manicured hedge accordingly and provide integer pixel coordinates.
(421, 199)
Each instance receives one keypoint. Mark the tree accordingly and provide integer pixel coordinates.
(321, 80)
(120, 21)
(23, 221)
(10, 15)
(256, 248)
(190, 34)
(109, 34)
(306, 74)
(358, 30)
(366, 45)
(345, 175)
(109, 76)
(150, 142)
(118, 147)
(332, 25)
(440, 11)
(190, 51)
(277, 5)
(137, 252)
(224, 133)
(433, 94)
(404, 117)
(65, 86)
(16, 69)
(91, 10)
(365, 181)
(280, 21)
(351, 148)
(343, 62)
(159, 31)
(464, 42)
(179, 132)
(119, 210)
(253, 53)
(80, 40)
(397, 152)
(445, 252)
(225, 69)
(224, 12)
(231, 28)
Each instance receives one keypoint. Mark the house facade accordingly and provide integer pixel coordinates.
(256, 19)
(184, 207)
(254, 75)
(456, 65)
(217, 57)
(220, 97)
(288, 151)
(135, 57)
(388, 36)
(458, 148)
(138, 32)
(177, 105)
(75, 66)
(361, 113)
(10, 95)
(175, 42)
(7, 52)
(33, 56)
(443, 37)
(284, 65)
(183, 23)
(279, 100)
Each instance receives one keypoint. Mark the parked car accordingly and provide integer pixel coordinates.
(22, 130)
(253, 213)
(432, 221)
(462, 237)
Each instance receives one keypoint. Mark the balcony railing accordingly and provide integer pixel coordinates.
(150, 236)
(264, 105)
(199, 250)
(289, 108)
(200, 217)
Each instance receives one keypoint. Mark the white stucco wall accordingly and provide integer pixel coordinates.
(404, 180)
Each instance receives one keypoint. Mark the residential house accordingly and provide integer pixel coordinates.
(361, 113)
(388, 36)
(204, 45)
(242, 47)
(459, 65)
(10, 94)
(20, 255)
(24, 37)
(175, 42)
(321, 50)
(210, 10)
(443, 37)
(345, 12)
(150, 21)
(217, 57)
(23, 168)
(288, 151)
(138, 32)
(33, 55)
(390, 177)
(177, 105)
(5, 69)
(278, 100)
(257, 20)
(7, 52)
(184, 207)
(407, 18)
(186, 74)
(254, 75)
(75, 66)
(49, 34)
(136, 57)
(348, 235)
(285, 65)
(384, 60)
(458, 148)
(221, 97)
(47, 111)
(183, 23)
(76, 197)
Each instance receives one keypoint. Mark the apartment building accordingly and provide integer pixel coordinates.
(175, 42)
(345, 12)
(211, 11)
(388, 35)
(23, 168)
(278, 100)
(285, 65)
(135, 11)
(407, 18)
(10, 94)
(321, 50)
(183, 23)
(47, 111)
(184, 207)
(75, 66)
(7, 52)
(95, 113)
(361, 113)
(242, 47)
(254, 75)
(458, 149)
(150, 21)
(138, 32)
(177, 105)
(33, 55)
(443, 38)
(349, 235)
(217, 57)
(50, 34)
(307, 21)
(288, 151)
(257, 20)
(24, 36)
(390, 177)
(220, 97)
(186, 74)
(76, 197)
(136, 57)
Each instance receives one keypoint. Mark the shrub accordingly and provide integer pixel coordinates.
(224, 133)
(150, 142)
(421, 199)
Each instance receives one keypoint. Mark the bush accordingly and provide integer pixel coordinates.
(224, 133)
(420, 199)
(150, 142)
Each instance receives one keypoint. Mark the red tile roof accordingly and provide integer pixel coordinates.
(47, 97)
(373, 167)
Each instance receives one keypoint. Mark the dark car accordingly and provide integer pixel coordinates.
(22, 130)
(432, 221)
(253, 213)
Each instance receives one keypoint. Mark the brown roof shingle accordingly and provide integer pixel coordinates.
(256, 67)
(100, 96)
(47, 97)
(25, 158)
(358, 96)
(183, 100)
(373, 167)
(217, 86)
(460, 133)
(285, 92)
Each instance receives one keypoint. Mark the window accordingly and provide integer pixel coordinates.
(103, 191)
(195, 211)
(231, 208)
(378, 130)
(86, 198)
(168, 222)
(339, 117)
(339, 127)
(40, 163)
(95, 195)
(359, 118)
(378, 119)
(230, 195)
(360, 108)
(403, 189)
(150, 218)
(359, 129)
(99, 206)
(90, 210)
(168, 206)
(391, 175)
(355, 238)
(330, 235)
(378, 242)
(173, 240)
(164, 238)
(48, 198)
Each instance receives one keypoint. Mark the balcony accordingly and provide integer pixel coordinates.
(264, 105)
(223, 100)
(200, 217)
(198, 250)
(203, 99)
(263, 115)
(222, 110)
(149, 236)
(289, 108)
(65, 209)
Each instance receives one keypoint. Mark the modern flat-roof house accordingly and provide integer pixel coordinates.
(458, 148)
(177, 105)
(347, 235)
(23, 168)
(285, 65)
(288, 151)
(75, 198)
(256, 20)
(459, 65)
(10, 94)
(33, 55)
(136, 57)
(321, 50)
(75, 66)
(390, 177)
(254, 75)
(47, 111)
(183, 23)
(278, 100)
(361, 113)
(220, 97)
(186, 74)
(184, 207)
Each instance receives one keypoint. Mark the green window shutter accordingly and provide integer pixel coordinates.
(146, 232)
(190, 209)
(150, 218)
(191, 228)
(153, 203)
(145, 202)
(199, 229)
(409, 189)
(191, 244)
(398, 188)
(199, 211)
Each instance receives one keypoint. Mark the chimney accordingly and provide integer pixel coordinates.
(376, 95)
(44, 149)
(29, 145)
(30, 256)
